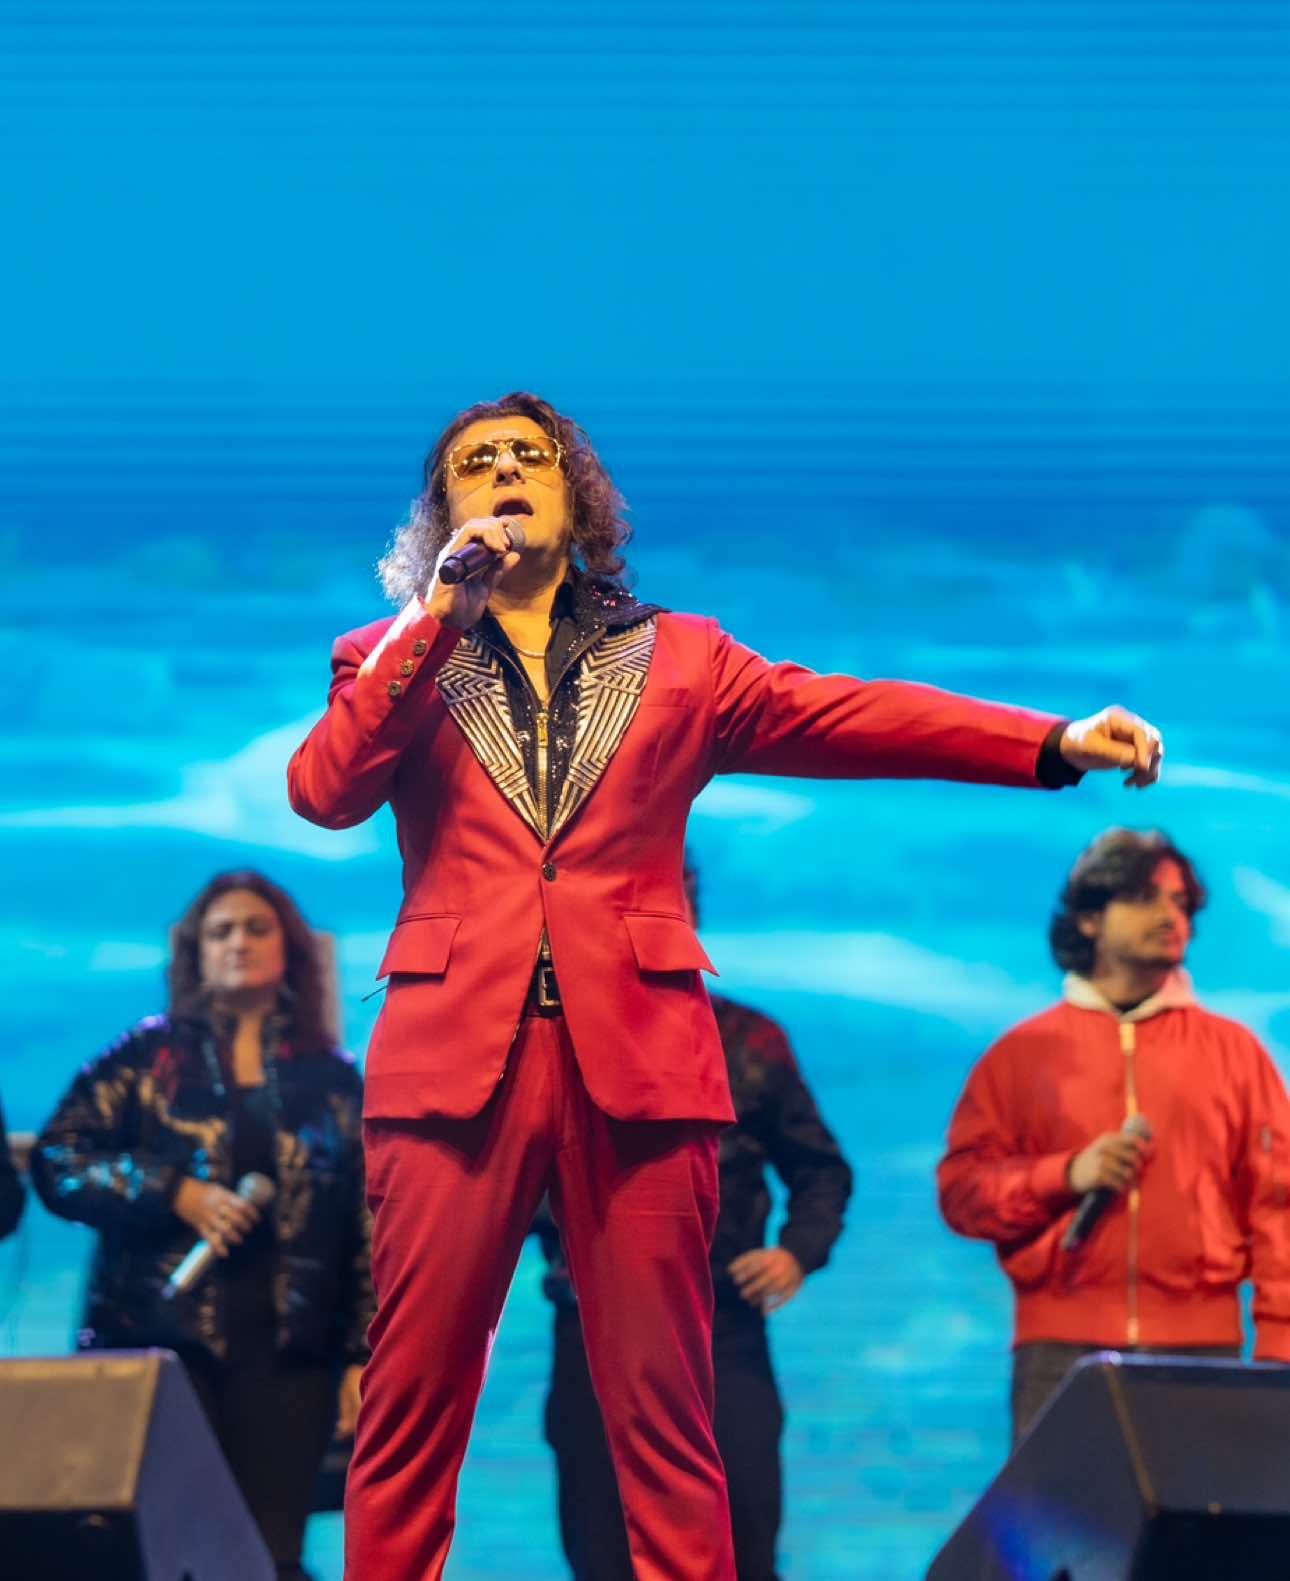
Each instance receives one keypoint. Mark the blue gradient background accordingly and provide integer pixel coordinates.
(985, 302)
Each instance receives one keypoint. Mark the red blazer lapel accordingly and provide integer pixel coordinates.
(474, 693)
(613, 677)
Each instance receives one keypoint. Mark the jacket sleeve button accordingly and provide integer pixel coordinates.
(407, 667)
(419, 646)
(395, 688)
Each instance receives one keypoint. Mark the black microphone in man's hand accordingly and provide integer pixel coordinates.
(1095, 1203)
(256, 1189)
(472, 559)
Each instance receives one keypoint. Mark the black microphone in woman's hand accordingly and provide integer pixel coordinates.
(472, 559)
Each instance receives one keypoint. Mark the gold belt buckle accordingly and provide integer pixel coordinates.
(548, 989)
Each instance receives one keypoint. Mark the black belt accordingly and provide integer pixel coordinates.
(544, 992)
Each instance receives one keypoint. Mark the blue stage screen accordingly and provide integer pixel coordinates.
(943, 340)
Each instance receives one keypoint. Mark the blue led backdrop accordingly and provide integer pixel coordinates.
(941, 340)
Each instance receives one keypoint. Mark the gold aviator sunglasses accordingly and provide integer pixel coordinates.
(533, 452)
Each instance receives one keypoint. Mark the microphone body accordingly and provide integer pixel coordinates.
(1094, 1204)
(254, 1188)
(473, 559)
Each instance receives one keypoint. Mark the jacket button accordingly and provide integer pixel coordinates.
(395, 688)
(548, 872)
(419, 646)
(407, 667)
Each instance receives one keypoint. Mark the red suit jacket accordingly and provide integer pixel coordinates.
(418, 717)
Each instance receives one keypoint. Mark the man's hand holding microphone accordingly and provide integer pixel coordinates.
(469, 567)
(1103, 1171)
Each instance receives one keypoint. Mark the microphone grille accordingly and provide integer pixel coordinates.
(1138, 1125)
(516, 534)
(256, 1188)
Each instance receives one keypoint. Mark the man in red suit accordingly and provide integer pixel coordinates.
(541, 736)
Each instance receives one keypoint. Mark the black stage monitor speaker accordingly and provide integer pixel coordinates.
(1140, 1468)
(109, 1471)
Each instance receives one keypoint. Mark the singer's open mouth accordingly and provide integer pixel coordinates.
(512, 505)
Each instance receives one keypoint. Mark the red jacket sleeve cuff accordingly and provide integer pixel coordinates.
(414, 644)
(1048, 1181)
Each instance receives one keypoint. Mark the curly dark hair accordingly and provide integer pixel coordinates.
(600, 529)
(1117, 866)
(306, 1002)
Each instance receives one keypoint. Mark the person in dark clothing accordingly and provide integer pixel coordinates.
(243, 1075)
(777, 1124)
(11, 1192)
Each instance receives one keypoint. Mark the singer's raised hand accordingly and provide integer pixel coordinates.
(461, 604)
(1115, 739)
(1111, 1163)
(218, 1215)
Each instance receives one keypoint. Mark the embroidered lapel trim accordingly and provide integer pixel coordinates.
(613, 675)
(610, 684)
(472, 687)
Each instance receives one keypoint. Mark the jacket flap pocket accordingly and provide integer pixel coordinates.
(665, 944)
(420, 944)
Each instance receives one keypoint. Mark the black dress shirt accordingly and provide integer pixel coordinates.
(585, 608)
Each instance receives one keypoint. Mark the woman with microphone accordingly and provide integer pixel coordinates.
(234, 1119)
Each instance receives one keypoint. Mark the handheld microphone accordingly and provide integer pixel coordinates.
(1094, 1203)
(257, 1189)
(474, 558)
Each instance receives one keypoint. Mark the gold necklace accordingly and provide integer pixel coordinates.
(528, 652)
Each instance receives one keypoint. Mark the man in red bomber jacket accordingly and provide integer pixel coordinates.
(1198, 1207)
(540, 736)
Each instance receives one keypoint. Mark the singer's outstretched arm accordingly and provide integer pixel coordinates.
(83, 1165)
(785, 719)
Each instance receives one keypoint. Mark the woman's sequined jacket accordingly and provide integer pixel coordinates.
(154, 1108)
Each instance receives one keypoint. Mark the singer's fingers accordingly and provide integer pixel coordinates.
(496, 572)
(490, 530)
(1148, 748)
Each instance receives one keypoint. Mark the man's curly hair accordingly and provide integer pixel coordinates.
(1117, 866)
(599, 527)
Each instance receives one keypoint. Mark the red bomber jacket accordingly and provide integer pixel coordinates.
(418, 717)
(1164, 1265)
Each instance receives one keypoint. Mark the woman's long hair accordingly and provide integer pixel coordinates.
(600, 528)
(305, 1001)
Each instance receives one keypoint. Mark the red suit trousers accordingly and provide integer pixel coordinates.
(453, 1200)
